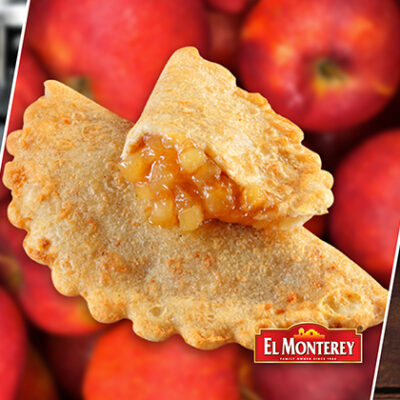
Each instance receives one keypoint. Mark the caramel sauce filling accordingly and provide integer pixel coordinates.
(184, 187)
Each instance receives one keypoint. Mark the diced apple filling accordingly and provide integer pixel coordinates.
(184, 187)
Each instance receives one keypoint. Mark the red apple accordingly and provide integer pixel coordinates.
(68, 357)
(32, 285)
(28, 87)
(326, 65)
(331, 146)
(47, 308)
(124, 366)
(321, 381)
(224, 37)
(317, 225)
(229, 6)
(12, 347)
(119, 47)
(4, 192)
(365, 217)
(36, 381)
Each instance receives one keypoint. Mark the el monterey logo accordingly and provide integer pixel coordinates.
(308, 343)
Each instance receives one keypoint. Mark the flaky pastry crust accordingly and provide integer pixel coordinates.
(198, 100)
(218, 284)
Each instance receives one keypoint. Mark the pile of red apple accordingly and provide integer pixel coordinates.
(331, 66)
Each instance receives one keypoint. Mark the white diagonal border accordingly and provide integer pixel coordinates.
(11, 98)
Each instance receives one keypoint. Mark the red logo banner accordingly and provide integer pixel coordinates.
(308, 343)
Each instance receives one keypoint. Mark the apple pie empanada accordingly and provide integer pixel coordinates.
(205, 149)
(220, 283)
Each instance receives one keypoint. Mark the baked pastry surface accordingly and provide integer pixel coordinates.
(198, 101)
(218, 284)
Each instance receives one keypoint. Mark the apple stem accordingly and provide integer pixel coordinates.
(328, 70)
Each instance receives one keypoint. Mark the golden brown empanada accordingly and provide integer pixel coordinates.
(218, 284)
(227, 154)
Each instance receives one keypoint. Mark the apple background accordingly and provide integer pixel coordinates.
(331, 66)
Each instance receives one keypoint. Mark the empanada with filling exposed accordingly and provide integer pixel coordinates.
(205, 149)
(220, 283)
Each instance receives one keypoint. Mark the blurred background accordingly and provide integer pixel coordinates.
(330, 66)
(12, 17)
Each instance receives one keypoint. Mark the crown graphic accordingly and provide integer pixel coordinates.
(309, 334)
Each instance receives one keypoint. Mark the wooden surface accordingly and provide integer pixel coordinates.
(388, 382)
(387, 396)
